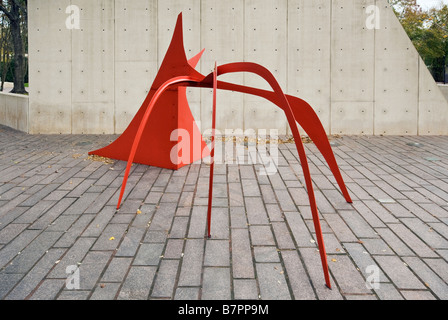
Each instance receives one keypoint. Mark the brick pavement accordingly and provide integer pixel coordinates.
(57, 210)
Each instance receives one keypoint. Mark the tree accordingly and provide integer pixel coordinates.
(5, 50)
(16, 12)
(427, 31)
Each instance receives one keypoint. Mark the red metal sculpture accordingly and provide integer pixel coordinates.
(166, 109)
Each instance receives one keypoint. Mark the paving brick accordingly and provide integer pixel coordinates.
(377, 247)
(266, 254)
(235, 195)
(285, 201)
(7, 282)
(53, 213)
(117, 269)
(187, 293)
(340, 228)
(71, 235)
(155, 237)
(219, 223)
(311, 259)
(73, 257)
(417, 295)
(216, 284)
(268, 194)
(439, 266)
(242, 265)
(163, 217)
(274, 212)
(238, 217)
(301, 234)
(297, 276)
(23, 262)
(431, 280)
(387, 291)
(11, 231)
(261, 236)
(381, 212)
(130, 243)
(358, 225)
(369, 215)
(174, 249)
(48, 289)
(440, 228)
(349, 279)
(198, 222)
(191, 269)
(245, 289)
(435, 210)
(186, 199)
(165, 279)
(250, 188)
(425, 233)
(38, 196)
(400, 275)
(332, 245)
(179, 228)
(98, 204)
(105, 291)
(398, 246)
(91, 268)
(217, 253)
(80, 205)
(153, 197)
(417, 245)
(149, 254)
(282, 236)
(99, 223)
(272, 281)
(133, 287)
(33, 213)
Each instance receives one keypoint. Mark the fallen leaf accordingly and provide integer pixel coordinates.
(111, 238)
(139, 211)
(334, 260)
(102, 285)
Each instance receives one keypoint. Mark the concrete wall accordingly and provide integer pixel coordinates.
(361, 77)
(14, 111)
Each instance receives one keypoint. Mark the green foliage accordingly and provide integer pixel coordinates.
(428, 31)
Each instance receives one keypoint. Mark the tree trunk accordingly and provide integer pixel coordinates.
(19, 54)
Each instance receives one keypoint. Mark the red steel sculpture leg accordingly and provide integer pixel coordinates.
(166, 109)
(212, 156)
(283, 101)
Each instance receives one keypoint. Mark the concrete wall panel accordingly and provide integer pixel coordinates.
(136, 56)
(309, 50)
(14, 111)
(396, 81)
(93, 68)
(50, 67)
(222, 36)
(352, 68)
(265, 43)
(54, 115)
(433, 109)
(352, 118)
(359, 79)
